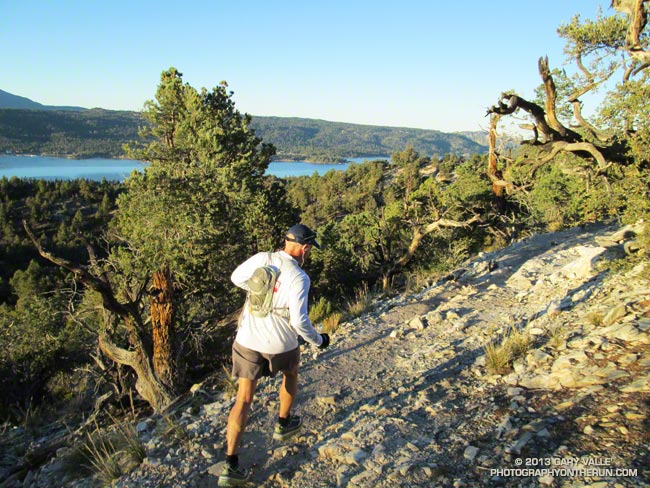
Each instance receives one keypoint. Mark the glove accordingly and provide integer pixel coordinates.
(326, 341)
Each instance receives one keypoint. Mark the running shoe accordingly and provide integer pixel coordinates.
(288, 431)
(233, 476)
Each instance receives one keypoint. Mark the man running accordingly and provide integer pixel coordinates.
(265, 345)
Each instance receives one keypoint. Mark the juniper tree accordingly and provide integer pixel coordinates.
(599, 165)
(199, 207)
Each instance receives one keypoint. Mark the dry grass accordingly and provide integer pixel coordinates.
(111, 452)
(32, 416)
(497, 359)
(518, 341)
(129, 440)
(175, 431)
(360, 303)
(332, 322)
(556, 337)
(595, 318)
(319, 310)
(227, 383)
(500, 356)
(417, 280)
(101, 453)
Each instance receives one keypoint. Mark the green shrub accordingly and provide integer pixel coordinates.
(319, 310)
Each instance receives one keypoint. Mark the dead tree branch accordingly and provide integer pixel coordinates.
(138, 357)
(419, 232)
(551, 99)
(495, 175)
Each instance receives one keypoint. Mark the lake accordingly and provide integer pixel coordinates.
(48, 168)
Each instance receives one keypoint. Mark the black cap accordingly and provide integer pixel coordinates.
(302, 235)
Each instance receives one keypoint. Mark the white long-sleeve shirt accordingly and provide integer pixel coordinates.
(277, 332)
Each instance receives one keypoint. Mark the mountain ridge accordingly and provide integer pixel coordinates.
(9, 100)
(101, 133)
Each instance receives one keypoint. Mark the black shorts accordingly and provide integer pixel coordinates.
(253, 365)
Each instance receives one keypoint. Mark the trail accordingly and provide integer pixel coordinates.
(404, 396)
(400, 400)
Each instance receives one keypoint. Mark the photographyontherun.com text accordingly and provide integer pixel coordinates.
(589, 466)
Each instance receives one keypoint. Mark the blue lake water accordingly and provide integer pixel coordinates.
(48, 168)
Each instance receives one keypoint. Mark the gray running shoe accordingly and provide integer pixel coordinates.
(291, 429)
(233, 476)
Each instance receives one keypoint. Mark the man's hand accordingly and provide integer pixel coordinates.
(326, 341)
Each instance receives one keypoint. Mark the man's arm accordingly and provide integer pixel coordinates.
(299, 317)
(245, 270)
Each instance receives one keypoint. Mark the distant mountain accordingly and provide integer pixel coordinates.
(295, 137)
(479, 136)
(67, 133)
(9, 100)
(28, 127)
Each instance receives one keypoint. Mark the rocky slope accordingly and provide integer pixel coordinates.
(405, 395)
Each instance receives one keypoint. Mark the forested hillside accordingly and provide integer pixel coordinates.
(102, 133)
(320, 140)
(76, 134)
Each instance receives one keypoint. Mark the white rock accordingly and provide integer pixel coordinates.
(396, 334)
(639, 385)
(434, 317)
(356, 456)
(452, 315)
(615, 314)
(541, 382)
(554, 308)
(519, 445)
(546, 480)
(536, 357)
(470, 453)
(417, 323)
(582, 267)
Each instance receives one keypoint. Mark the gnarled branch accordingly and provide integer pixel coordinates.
(515, 102)
(158, 394)
(100, 285)
(577, 113)
(575, 147)
(495, 175)
(636, 10)
(420, 232)
(551, 98)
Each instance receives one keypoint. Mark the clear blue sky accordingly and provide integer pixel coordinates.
(428, 64)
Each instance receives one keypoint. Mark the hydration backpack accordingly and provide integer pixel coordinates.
(261, 286)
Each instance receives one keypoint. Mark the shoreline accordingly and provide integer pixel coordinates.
(280, 159)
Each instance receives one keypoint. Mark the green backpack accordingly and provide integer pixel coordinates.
(260, 291)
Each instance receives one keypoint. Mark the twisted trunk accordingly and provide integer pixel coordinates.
(158, 391)
(162, 328)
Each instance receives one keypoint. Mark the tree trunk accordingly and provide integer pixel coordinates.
(162, 315)
(499, 186)
(158, 393)
(419, 232)
(147, 384)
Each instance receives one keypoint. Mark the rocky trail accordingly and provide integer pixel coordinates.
(405, 396)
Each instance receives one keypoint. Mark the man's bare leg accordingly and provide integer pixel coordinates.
(288, 392)
(239, 415)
